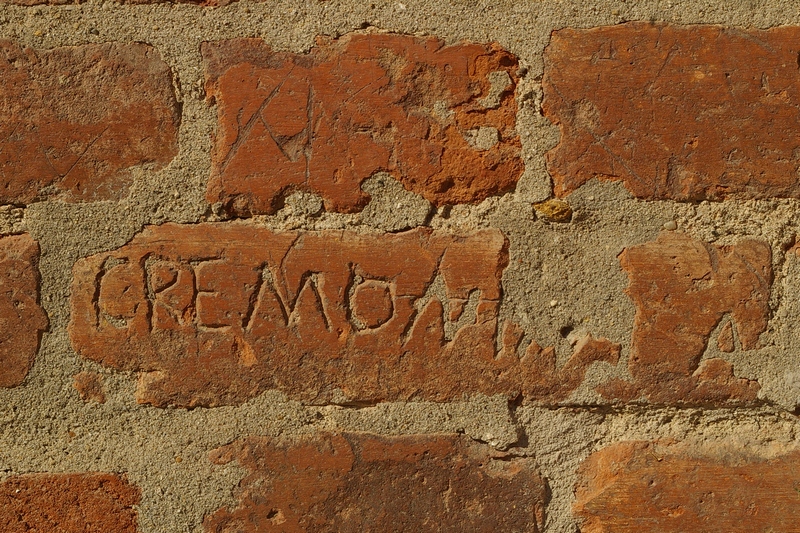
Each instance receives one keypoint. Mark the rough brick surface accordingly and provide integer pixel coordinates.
(440, 118)
(358, 482)
(22, 320)
(74, 119)
(209, 3)
(68, 503)
(675, 112)
(682, 288)
(36, 2)
(217, 313)
(638, 487)
(90, 386)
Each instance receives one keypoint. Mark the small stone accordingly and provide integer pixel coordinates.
(304, 203)
(554, 210)
(553, 303)
(670, 225)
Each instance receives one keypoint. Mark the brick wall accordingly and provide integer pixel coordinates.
(418, 266)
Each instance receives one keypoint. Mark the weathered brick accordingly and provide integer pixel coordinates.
(73, 120)
(682, 289)
(22, 320)
(90, 386)
(204, 3)
(725, 340)
(361, 482)
(640, 487)
(36, 2)
(440, 118)
(675, 112)
(215, 314)
(68, 503)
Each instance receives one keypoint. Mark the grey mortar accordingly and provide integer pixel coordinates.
(44, 426)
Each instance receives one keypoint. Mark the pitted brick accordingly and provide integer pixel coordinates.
(74, 119)
(360, 482)
(326, 121)
(22, 319)
(682, 289)
(213, 314)
(645, 487)
(675, 112)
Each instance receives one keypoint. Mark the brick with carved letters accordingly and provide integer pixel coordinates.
(216, 313)
(441, 119)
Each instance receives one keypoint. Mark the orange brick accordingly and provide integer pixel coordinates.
(440, 118)
(682, 289)
(68, 503)
(675, 112)
(75, 119)
(204, 3)
(360, 482)
(639, 487)
(22, 320)
(215, 314)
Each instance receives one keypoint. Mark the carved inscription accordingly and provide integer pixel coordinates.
(683, 288)
(214, 314)
(441, 119)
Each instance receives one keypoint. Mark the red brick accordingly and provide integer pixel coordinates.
(215, 314)
(725, 339)
(359, 482)
(204, 3)
(639, 487)
(327, 120)
(22, 320)
(37, 2)
(68, 503)
(73, 120)
(682, 288)
(675, 112)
